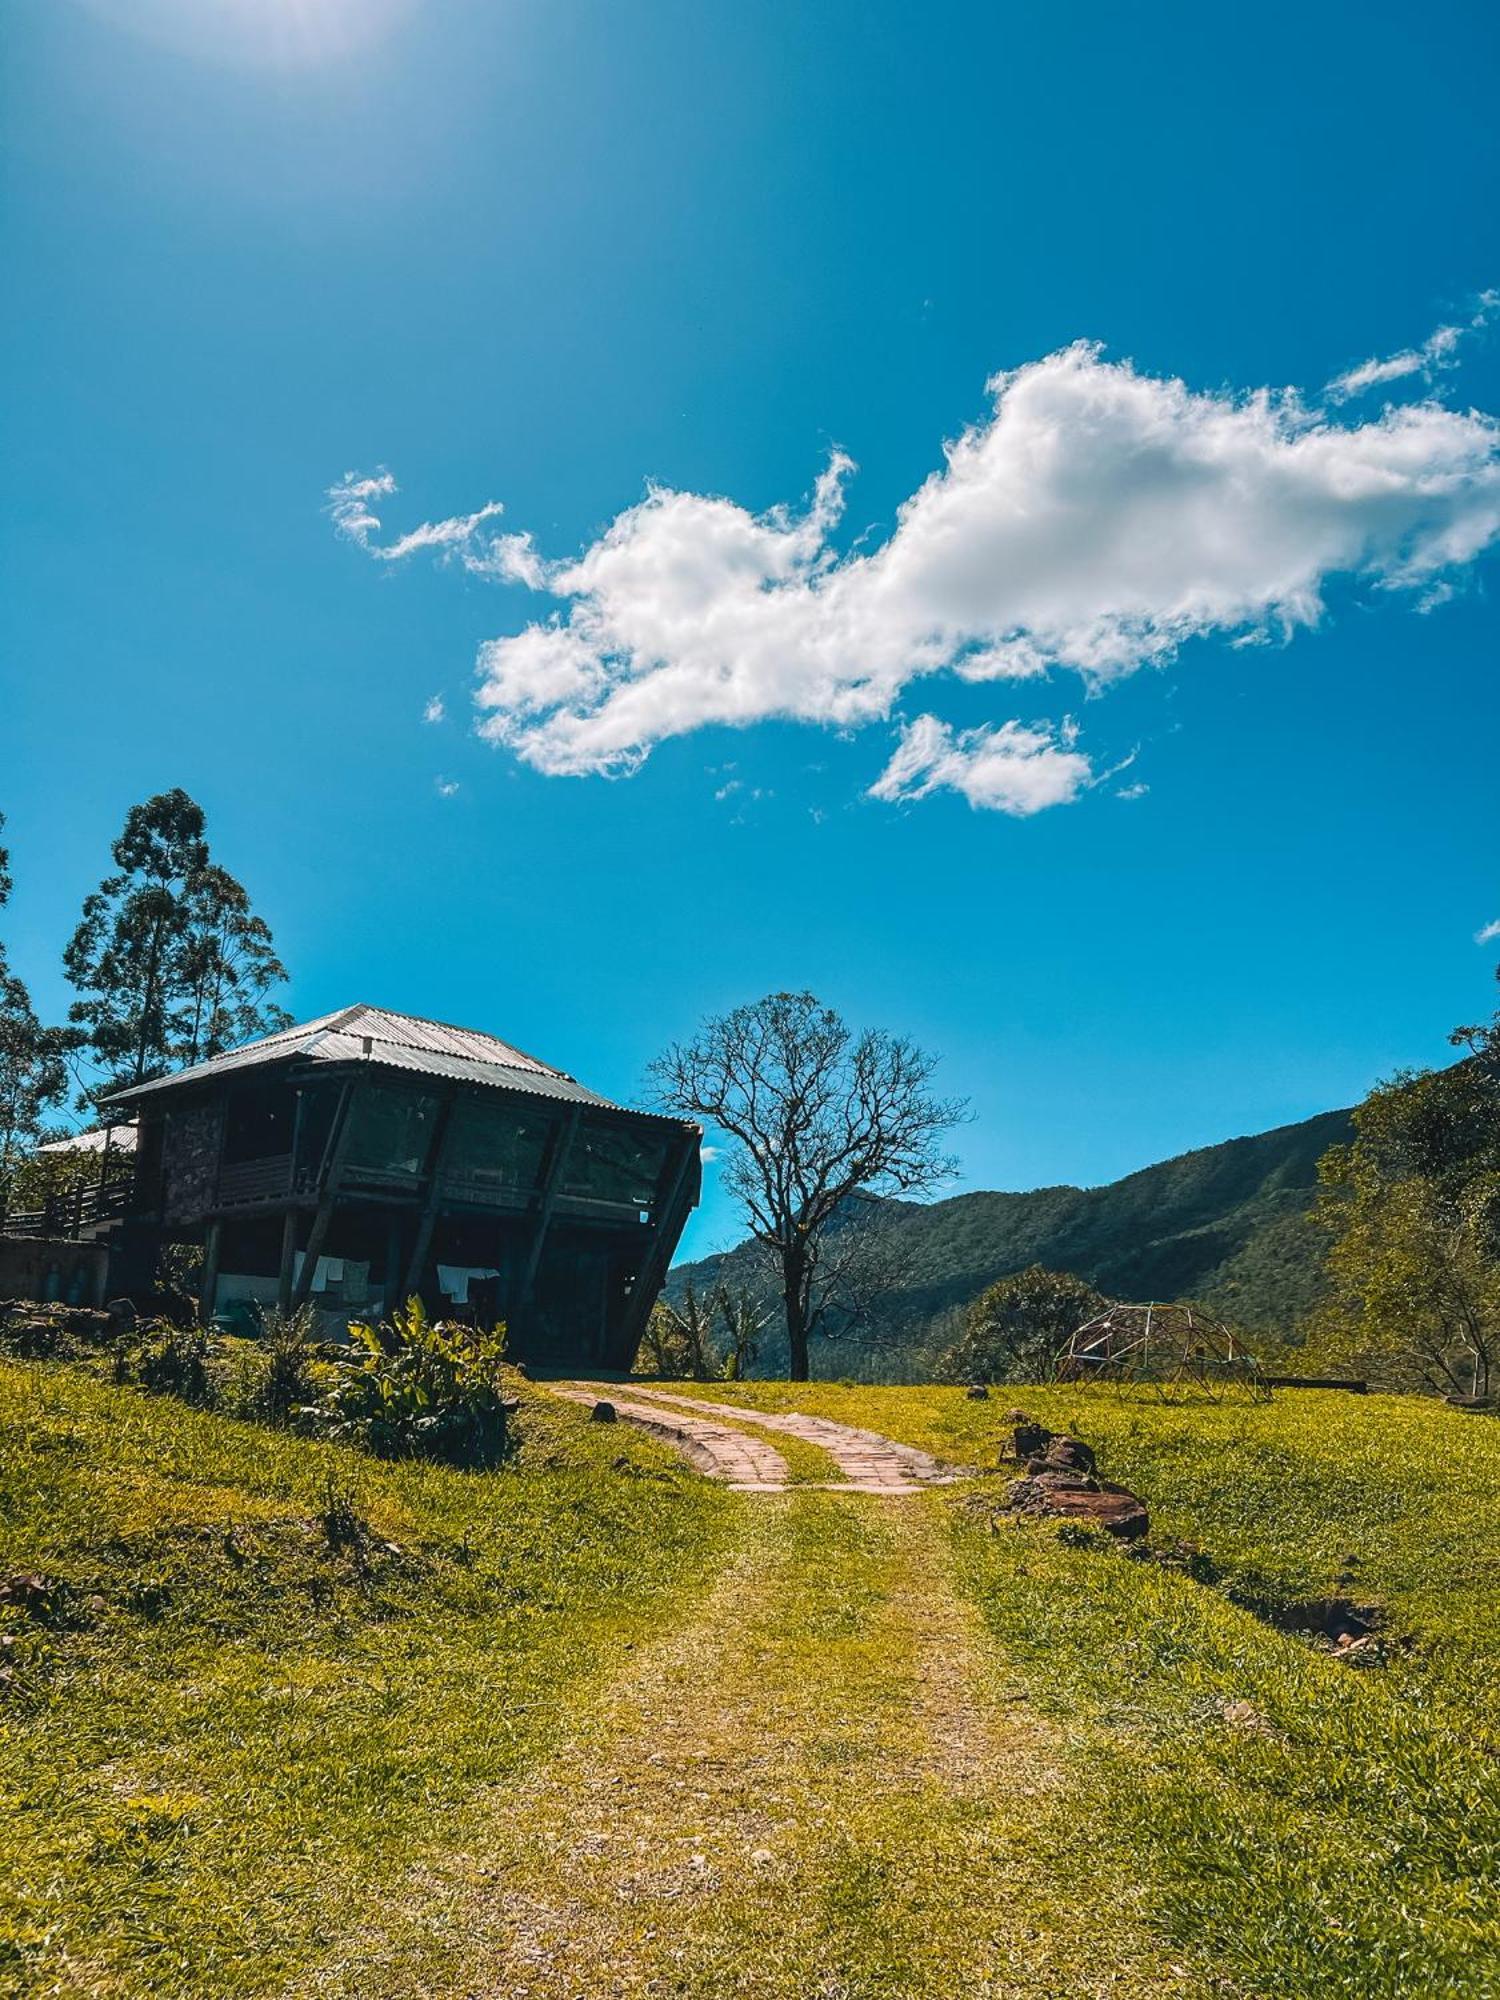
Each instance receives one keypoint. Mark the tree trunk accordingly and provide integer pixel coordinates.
(794, 1301)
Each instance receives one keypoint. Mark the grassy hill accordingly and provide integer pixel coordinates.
(1228, 1224)
(276, 1719)
(247, 1676)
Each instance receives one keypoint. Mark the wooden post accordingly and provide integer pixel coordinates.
(208, 1283)
(288, 1261)
(322, 1216)
(428, 1217)
(390, 1295)
(562, 1145)
(333, 1160)
(670, 1213)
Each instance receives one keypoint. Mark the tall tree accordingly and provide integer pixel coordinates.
(33, 1065)
(818, 1116)
(1413, 1207)
(229, 966)
(170, 961)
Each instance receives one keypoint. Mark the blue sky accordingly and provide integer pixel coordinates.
(1144, 768)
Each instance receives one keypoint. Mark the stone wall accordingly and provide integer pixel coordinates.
(190, 1159)
(43, 1268)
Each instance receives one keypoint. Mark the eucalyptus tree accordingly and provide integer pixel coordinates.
(169, 960)
(816, 1116)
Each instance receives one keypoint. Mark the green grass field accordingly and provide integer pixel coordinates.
(287, 1720)
(231, 1732)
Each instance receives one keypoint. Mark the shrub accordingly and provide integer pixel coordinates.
(289, 1344)
(419, 1388)
(1015, 1330)
(176, 1361)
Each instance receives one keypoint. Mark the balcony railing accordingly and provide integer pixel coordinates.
(74, 1213)
(247, 1182)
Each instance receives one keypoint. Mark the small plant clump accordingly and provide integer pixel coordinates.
(419, 1388)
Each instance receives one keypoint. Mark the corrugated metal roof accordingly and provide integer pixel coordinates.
(119, 1138)
(395, 1041)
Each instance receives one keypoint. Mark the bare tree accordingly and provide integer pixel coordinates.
(819, 1115)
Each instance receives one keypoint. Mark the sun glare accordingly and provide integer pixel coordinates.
(274, 34)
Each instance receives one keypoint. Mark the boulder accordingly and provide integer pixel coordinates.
(1072, 1496)
(602, 1413)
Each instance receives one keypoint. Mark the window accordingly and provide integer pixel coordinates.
(615, 1163)
(495, 1142)
(390, 1131)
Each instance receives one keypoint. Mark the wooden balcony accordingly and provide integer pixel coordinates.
(248, 1183)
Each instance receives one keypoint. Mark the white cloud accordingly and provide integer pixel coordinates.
(446, 788)
(1488, 933)
(1012, 769)
(436, 710)
(1096, 519)
(1437, 352)
(1132, 791)
(505, 558)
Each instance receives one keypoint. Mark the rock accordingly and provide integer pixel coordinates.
(1063, 1454)
(121, 1311)
(1030, 1439)
(1072, 1496)
(602, 1413)
(977, 1393)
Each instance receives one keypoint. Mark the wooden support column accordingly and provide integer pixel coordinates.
(208, 1283)
(338, 1138)
(671, 1213)
(288, 1261)
(427, 1220)
(562, 1145)
(389, 1293)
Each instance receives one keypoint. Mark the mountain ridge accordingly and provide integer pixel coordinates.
(1228, 1224)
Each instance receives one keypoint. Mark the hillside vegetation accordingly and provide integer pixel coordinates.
(1228, 1224)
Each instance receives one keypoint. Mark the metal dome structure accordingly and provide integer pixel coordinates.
(1178, 1351)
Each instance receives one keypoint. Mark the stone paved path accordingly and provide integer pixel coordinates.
(744, 1462)
(873, 1463)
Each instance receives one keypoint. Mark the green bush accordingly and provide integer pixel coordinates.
(176, 1361)
(419, 1388)
(1015, 1330)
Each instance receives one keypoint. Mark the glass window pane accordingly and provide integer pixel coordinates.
(615, 1163)
(390, 1130)
(496, 1143)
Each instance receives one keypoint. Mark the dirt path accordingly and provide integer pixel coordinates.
(816, 1789)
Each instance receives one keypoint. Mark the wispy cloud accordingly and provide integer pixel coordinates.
(1488, 933)
(463, 538)
(446, 788)
(436, 710)
(1096, 519)
(1438, 351)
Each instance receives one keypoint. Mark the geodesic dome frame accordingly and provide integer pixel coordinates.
(1178, 1351)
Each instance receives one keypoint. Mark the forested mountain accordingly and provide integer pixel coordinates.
(1228, 1224)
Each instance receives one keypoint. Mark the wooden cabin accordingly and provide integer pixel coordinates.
(358, 1159)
